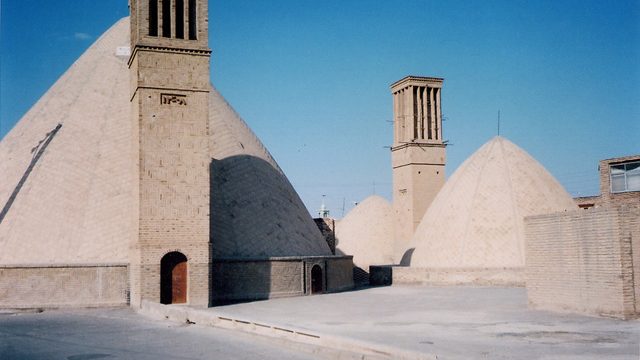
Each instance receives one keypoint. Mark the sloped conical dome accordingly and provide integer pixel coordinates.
(476, 220)
(68, 183)
(367, 233)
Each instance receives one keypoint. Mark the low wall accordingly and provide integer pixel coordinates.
(52, 286)
(584, 261)
(394, 275)
(256, 279)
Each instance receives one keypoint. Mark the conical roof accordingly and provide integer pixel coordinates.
(476, 220)
(67, 191)
(367, 233)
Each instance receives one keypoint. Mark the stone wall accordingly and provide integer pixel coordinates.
(52, 286)
(585, 261)
(257, 279)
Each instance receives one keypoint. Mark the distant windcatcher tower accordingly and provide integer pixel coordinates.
(418, 151)
(169, 72)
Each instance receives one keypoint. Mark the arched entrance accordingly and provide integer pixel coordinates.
(173, 278)
(316, 280)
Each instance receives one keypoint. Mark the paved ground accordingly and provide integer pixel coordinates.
(123, 334)
(451, 322)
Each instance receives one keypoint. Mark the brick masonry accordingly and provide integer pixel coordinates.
(398, 275)
(255, 279)
(43, 286)
(327, 228)
(585, 261)
(170, 92)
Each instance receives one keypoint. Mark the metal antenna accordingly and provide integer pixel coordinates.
(498, 122)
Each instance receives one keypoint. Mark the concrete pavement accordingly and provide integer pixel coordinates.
(442, 322)
(124, 334)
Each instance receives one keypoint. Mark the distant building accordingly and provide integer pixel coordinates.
(619, 183)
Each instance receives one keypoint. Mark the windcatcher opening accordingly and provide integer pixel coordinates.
(193, 20)
(166, 18)
(180, 19)
(153, 17)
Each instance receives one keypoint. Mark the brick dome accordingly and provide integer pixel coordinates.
(476, 220)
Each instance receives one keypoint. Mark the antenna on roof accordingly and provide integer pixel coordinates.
(498, 122)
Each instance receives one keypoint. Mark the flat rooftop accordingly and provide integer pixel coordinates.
(450, 322)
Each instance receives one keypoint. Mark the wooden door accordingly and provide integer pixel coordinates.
(179, 283)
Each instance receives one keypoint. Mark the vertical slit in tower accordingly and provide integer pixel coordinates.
(438, 134)
(429, 119)
(414, 97)
(153, 17)
(421, 110)
(180, 19)
(166, 18)
(193, 29)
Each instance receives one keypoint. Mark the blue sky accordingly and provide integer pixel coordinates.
(312, 78)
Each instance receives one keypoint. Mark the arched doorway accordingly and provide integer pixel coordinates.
(173, 278)
(316, 280)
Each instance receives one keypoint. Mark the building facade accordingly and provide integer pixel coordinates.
(619, 183)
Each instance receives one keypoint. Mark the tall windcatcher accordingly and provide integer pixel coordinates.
(418, 151)
(169, 73)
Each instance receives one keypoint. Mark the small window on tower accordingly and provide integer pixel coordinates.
(193, 20)
(153, 17)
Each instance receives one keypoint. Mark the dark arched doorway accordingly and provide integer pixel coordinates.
(173, 278)
(316, 280)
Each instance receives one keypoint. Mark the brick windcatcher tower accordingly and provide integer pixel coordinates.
(418, 152)
(169, 72)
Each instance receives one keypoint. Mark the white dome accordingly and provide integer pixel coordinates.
(367, 233)
(476, 220)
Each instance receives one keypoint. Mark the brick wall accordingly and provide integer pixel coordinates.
(339, 273)
(584, 261)
(327, 228)
(387, 275)
(256, 279)
(38, 286)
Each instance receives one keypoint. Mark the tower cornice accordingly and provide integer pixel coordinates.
(416, 81)
(166, 49)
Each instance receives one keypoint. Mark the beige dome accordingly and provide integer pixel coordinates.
(367, 233)
(476, 220)
(68, 195)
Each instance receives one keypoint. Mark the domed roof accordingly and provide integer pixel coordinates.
(476, 220)
(367, 233)
(67, 191)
